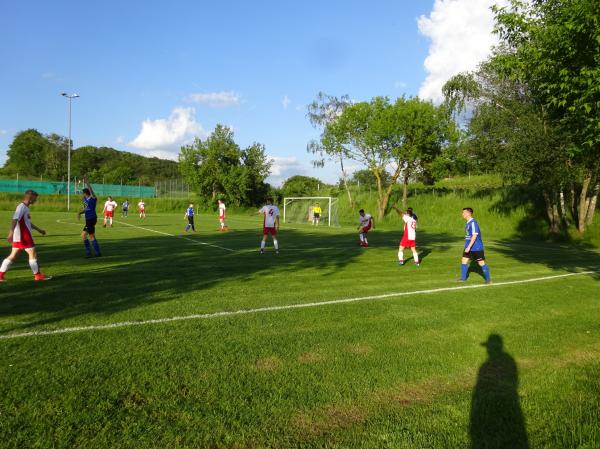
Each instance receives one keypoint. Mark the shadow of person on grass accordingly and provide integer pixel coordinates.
(497, 421)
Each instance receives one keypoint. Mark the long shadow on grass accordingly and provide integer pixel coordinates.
(570, 258)
(155, 268)
(497, 420)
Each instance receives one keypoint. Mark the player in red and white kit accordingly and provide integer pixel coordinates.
(21, 238)
(366, 224)
(142, 209)
(109, 210)
(409, 238)
(270, 224)
(222, 210)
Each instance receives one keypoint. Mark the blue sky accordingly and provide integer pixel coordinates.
(151, 75)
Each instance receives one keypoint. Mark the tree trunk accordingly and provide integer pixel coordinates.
(381, 200)
(563, 209)
(583, 203)
(551, 213)
(573, 203)
(592, 205)
(556, 215)
(345, 179)
(405, 191)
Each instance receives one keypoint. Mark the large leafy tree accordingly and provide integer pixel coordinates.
(513, 133)
(401, 139)
(553, 46)
(27, 154)
(218, 168)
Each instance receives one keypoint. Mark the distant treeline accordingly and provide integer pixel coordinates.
(34, 155)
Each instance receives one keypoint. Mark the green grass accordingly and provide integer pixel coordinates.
(400, 372)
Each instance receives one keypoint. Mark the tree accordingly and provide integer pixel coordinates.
(321, 112)
(365, 178)
(301, 186)
(258, 169)
(554, 47)
(512, 131)
(34, 154)
(115, 167)
(218, 168)
(403, 138)
(27, 154)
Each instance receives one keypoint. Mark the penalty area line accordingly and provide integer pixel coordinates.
(122, 324)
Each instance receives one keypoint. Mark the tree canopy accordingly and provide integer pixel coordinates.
(535, 104)
(217, 168)
(299, 185)
(32, 154)
(402, 138)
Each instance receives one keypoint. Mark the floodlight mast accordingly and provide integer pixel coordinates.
(70, 97)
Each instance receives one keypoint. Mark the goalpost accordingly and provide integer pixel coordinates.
(300, 210)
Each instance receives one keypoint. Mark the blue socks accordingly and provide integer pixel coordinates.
(486, 273)
(464, 271)
(88, 247)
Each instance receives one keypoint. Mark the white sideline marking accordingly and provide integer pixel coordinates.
(197, 242)
(68, 330)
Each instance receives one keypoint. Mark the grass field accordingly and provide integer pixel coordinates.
(145, 348)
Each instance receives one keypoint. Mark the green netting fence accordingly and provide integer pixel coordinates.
(60, 188)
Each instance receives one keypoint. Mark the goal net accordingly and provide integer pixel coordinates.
(303, 210)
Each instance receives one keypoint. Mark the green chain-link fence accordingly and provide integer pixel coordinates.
(60, 188)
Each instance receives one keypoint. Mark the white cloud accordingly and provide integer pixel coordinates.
(283, 167)
(222, 99)
(120, 139)
(167, 135)
(3, 132)
(162, 154)
(399, 84)
(461, 37)
(285, 102)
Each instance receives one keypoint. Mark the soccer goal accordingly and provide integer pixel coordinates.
(302, 210)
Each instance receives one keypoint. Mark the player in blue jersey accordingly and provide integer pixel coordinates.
(89, 211)
(189, 215)
(473, 247)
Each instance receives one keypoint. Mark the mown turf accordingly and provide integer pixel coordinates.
(403, 372)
